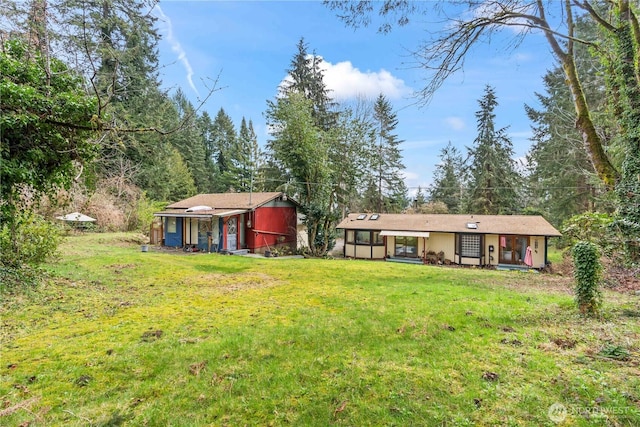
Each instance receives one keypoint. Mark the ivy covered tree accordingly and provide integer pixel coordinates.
(493, 180)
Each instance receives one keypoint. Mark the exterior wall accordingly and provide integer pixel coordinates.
(538, 252)
(390, 246)
(445, 242)
(369, 250)
(279, 219)
(491, 240)
(364, 251)
(173, 238)
(349, 250)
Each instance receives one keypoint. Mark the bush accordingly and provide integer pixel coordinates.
(588, 275)
(26, 242)
(589, 226)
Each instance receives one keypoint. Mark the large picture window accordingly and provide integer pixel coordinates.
(470, 245)
(363, 237)
(406, 246)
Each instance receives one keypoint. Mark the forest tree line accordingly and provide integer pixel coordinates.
(86, 123)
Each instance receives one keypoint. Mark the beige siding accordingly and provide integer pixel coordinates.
(491, 240)
(363, 252)
(444, 242)
(391, 244)
(349, 250)
(538, 254)
(378, 252)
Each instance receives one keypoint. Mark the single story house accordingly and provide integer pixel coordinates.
(230, 222)
(480, 240)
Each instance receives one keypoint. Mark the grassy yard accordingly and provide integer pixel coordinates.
(122, 337)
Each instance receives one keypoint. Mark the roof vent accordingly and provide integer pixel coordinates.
(472, 225)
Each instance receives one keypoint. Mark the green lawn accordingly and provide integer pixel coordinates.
(123, 337)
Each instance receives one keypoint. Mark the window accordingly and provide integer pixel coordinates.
(374, 217)
(362, 216)
(406, 246)
(377, 238)
(470, 245)
(363, 237)
(171, 225)
(350, 235)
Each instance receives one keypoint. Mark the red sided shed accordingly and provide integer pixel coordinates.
(231, 222)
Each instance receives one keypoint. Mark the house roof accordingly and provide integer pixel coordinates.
(531, 225)
(221, 204)
(227, 200)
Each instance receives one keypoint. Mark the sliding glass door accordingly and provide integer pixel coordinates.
(513, 249)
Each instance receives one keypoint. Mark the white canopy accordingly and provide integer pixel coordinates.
(404, 233)
(76, 217)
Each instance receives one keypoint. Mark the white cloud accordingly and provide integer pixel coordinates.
(175, 46)
(347, 82)
(455, 123)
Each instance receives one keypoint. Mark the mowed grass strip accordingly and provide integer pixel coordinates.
(122, 337)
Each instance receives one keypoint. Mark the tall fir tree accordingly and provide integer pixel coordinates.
(448, 179)
(386, 160)
(494, 182)
(224, 143)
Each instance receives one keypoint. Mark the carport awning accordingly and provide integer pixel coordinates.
(200, 213)
(404, 233)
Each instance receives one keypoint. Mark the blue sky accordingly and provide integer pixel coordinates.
(248, 45)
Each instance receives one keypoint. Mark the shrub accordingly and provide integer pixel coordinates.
(589, 226)
(25, 243)
(588, 274)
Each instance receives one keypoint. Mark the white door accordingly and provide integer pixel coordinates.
(232, 234)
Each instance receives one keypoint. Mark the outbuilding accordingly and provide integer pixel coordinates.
(231, 222)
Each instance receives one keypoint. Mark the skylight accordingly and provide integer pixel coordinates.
(472, 225)
(374, 217)
(362, 216)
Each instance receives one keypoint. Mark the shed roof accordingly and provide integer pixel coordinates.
(227, 200)
(221, 204)
(530, 225)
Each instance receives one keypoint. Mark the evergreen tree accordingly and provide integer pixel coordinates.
(189, 142)
(205, 127)
(386, 160)
(307, 78)
(299, 148)
(224, 143)
(493, 178)
(448, 179)
(561, 181)
(247, 157)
